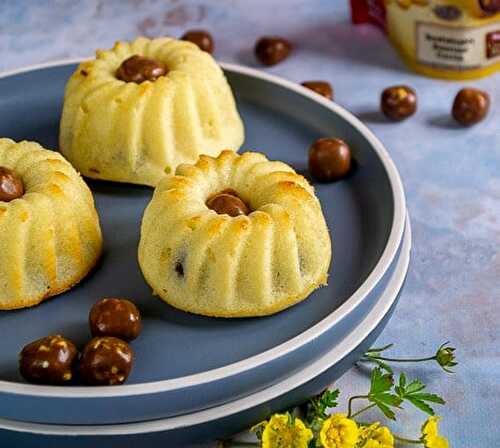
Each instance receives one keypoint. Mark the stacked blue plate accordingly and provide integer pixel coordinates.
(192, 371)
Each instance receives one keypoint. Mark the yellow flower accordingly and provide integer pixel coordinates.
(283, 431)
(430, 434)
(377, 436)
(338, 431)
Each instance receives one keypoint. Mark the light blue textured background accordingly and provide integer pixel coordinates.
(451, 175)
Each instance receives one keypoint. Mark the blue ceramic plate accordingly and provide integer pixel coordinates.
(185, 362)
(235, 416)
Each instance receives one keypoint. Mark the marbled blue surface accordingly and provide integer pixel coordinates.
(451, 175)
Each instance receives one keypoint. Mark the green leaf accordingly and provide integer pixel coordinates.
(433, 398)
(414, 386)
(402, 389)
(413, 393)
(386, 410)
(329, 398)
(380, 382)
(389, 399)
(420, 405)
(380, 392)
(402, 381)
(317, 406)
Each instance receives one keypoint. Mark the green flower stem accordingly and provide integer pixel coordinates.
(383, 358)
(407, 441)
(363, 410)
(349, 406)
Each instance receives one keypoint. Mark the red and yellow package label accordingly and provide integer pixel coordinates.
(454, 39)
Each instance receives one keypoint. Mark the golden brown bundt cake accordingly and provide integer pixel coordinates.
(50, 229)
(234, 236)
(137, 111)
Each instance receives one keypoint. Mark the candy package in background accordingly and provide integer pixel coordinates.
(453, 39)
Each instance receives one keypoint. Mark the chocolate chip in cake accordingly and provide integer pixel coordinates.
(179, 268)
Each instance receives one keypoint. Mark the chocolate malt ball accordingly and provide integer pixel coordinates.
(228, 203)
(203, 39)
(322, 88)
(329, 159)
(470, 106)
(271, 50)
(11, 185)
(139, 69)
(398, 102)
(48, 360)
(106, 361)
(115, 317)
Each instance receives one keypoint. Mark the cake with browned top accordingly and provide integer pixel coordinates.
(137, 111)
(234, 236)
(50, 229)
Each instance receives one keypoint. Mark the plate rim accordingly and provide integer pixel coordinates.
(205, 416)
(254, 361)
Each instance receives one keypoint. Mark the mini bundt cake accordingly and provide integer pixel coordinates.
(50, 229)
(234, 236)
(140, 109)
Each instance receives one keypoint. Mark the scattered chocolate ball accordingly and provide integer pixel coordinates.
(139, 69)
(115, 317)
(48, 360)
(321, 87)
(470, 106)
(329, 159)
(227, 202)
(398, 102)
(271, 50)
(11, 185)
(106, 361)
(201, 38)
